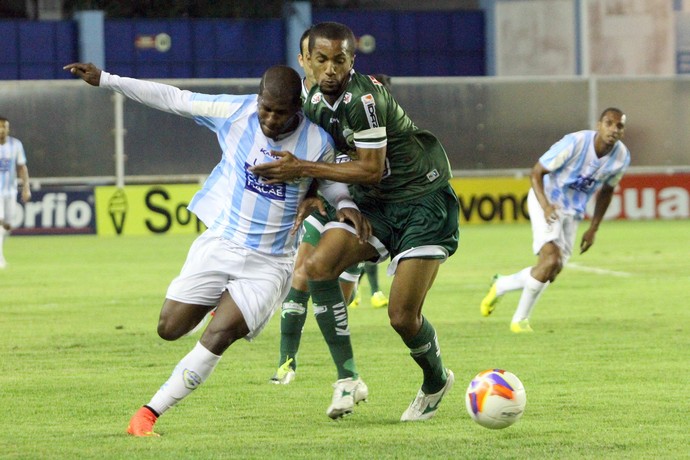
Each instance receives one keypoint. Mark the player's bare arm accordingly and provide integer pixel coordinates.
(537, 180)
(602, 204)
(23, 172)
(312, 202)
(86, 71)
(366, 169)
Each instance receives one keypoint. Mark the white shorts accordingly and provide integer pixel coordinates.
(7, 207)
(562, 232)
(257, 282)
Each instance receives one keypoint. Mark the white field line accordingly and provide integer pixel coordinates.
(599, 271)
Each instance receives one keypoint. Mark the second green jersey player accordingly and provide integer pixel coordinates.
(400, 181)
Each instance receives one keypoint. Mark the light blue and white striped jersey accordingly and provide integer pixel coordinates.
(577, 173)
(234, 203)
(11, 155)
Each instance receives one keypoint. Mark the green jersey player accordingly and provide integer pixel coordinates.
(399, 176)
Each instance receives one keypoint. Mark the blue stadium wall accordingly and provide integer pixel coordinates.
(449, 43)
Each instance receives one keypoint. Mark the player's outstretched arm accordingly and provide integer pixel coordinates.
(156, 95)
(86, 71)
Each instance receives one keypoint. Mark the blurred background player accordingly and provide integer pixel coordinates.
(12, 165)
(293, 313)
(564, 179)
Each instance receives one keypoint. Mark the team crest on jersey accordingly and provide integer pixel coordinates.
(316, 98)
(347, 98)
(370, 109)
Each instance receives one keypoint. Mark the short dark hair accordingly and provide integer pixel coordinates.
(333, 31)
(282, 82)
(305, 34)
(3, 118)
(610, 109)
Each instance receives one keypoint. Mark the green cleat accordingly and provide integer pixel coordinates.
(491, 299)
(285, 374)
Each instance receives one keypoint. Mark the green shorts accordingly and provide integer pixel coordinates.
(314, 227)
(432, 220)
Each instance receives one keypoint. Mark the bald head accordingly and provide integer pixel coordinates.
(279, 101)
(282, 83)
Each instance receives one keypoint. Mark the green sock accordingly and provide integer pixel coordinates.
(425, 351)
(373, 276)
(293, 314)
(331, 315)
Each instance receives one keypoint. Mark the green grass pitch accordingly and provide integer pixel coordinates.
(606, 371)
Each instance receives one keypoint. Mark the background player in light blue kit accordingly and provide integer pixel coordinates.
(564, 179)
(12, 164)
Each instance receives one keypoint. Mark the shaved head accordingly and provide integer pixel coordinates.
(282, 83)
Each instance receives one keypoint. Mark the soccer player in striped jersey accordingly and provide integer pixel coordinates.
(564, 179)
(399, 176)
(242, 264)
(12, 165)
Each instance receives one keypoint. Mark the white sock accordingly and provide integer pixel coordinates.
(512, 282)
(530, 294)
(3, 234)
(190, 372)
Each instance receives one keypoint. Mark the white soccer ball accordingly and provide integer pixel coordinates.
(495, 398)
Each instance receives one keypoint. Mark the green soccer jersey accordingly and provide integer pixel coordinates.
(367, 116)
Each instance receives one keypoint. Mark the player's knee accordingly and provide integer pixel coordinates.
(318, 268)
(553, 264)
(167, 331)
(405, 325)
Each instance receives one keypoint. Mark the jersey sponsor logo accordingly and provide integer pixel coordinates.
(347, 98)
(316, 98)
(5, 164)
(256, 184)
(433, 175)
(583, 183)
(268, 153)
(370, 109)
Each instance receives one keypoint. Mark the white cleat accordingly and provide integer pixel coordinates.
(425, 406)
(346, 393)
